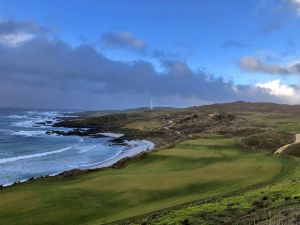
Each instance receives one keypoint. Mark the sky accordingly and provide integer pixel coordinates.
(116, 54)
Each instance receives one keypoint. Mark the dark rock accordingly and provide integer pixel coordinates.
(76, 132)
(186, 222)
(40, 123)
(118, 141)
(287, 198)
(71, 173)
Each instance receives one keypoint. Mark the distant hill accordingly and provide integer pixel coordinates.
(132, 110)
(241, 106)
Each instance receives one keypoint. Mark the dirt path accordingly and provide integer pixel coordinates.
(283, 148)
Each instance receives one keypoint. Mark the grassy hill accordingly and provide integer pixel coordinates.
(192, 170)
(258, 107)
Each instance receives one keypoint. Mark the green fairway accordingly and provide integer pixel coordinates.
(262, 201)
(191, 170)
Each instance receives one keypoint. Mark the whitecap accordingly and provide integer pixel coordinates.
(140, 145)
(83, 149)
(17, 117)
(22, 157)
(28, 133)
(26, 123)
(113, 135)
(104, 161)
(134, 147)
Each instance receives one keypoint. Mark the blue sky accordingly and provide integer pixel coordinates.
(219, 38)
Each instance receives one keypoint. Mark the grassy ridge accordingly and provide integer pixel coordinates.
(191, 170)
(281, 121)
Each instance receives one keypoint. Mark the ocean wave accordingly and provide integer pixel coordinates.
(17, 116)
(28, 133)
(44, 113)
(5, 131)
(35, 122)
(140, 144)
(135, 147)
(86, 148)
(32, 119)
(113, 135)
(38, 119)
(25, 123)
(104, 161)
(22, 157)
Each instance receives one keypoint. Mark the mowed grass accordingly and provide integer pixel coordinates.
(284, 192)
(190, 171)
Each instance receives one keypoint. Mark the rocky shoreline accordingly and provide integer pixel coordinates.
(122, 162)
(175, 127)
(116, 139)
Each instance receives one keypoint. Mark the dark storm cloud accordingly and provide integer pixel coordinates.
(122, 40)
(255, 65)
(47, 72)
(51, 73)
(11, 27)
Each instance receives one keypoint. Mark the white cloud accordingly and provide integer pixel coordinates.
(15, 39)
(296, 5)
(14, 33)
(276, 88)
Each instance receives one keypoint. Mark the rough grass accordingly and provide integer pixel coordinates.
(268, 140)
(192, 170)
(287, 122)
(293, 150)
(144, 125)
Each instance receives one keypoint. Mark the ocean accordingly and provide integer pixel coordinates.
(26, 150)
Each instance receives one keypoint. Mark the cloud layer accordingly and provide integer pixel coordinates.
(121, 40)
(48, 72)
(254, 65)
(13, 33)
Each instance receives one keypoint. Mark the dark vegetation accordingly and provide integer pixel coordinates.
(271, 140)
(293, 150)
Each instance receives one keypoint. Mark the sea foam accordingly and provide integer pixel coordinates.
(22, 157)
